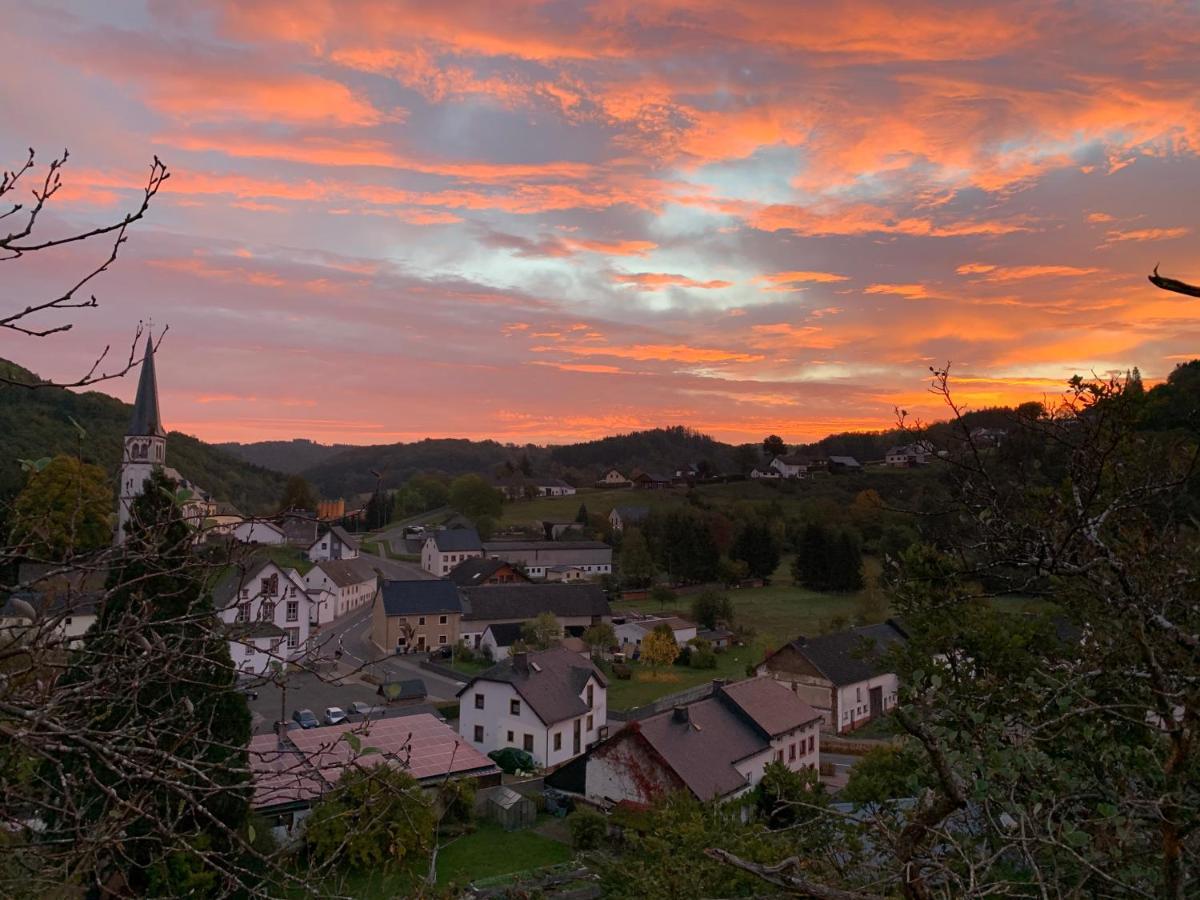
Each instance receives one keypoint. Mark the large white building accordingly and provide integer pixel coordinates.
(265, 609)
(350, 583)
(537, 558)
(552, 704)
(146, 450)
(444, 550)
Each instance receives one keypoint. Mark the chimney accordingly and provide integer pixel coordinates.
(521, 663)
(680, 714)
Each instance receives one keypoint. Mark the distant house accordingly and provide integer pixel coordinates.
(336, 543)
(352, 582)
(844, 464)
(478, 571)
(715, 749)
(842, 675)
(797, 466)
(623, 517)
(613, 479)
(551, 704)
(258, 531)
(575, 606)
(650, 481)
(416, 615)
(768, 472)
(264, 609)
(720, 638)
(498, 638)
(67, 601)
(988, 437)
(632, 632)
(299, 526)
(907, 455)
(535, 557)
(555, 529)
(566, 573)
(443, 550)
(554, 487)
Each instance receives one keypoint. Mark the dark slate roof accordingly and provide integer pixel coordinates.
(225, 593)
(146, 419)
(342, 535)
(501, 546)
(475, 571)
(651, 476)
(847, 657)
(408, 598)
(551, 684)
(770, 705)
(506, 633)
(795, 459)
(455, 539)
(632, 513)
(520, 602)
(343, 572)
(553, 482)
(849, 461)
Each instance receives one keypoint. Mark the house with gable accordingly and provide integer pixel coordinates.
(842, 675)
(477, 571)
(612, 478)
(551, 704)
(264, 609)
(576, 607)
(717, 748)
(445, 549)
(623, 517)
(352, 583)
(336, 543)
(415, 616)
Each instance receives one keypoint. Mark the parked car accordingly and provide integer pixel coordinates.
(305, 718)
(359, 708)
(334, 715)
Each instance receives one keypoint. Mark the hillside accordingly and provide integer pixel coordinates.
(660, 449)
(289, 457)
(349, 471)
(37, 423)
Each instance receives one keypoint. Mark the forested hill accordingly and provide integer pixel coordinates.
(289, 457)
(658, 450)
(38, 422)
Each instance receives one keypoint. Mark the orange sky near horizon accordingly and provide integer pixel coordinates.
(548, 222)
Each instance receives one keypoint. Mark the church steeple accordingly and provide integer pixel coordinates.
(146, 419)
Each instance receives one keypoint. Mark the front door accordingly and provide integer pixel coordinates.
(876, 702)
(420, 642)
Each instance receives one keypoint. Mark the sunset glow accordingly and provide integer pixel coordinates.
(554, 221)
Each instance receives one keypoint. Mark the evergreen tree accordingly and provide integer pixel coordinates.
(155, 673)
(811, 568)
(634, 561)
(582, 516)
(845, 563)
(758, 548)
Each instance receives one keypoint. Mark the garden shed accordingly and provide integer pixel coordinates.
(511, 809)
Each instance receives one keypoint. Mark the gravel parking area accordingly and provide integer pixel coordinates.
(305, 690)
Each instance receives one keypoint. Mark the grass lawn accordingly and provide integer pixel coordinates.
(645, 687)
(492, 851)
(522, 512)
(284, 556)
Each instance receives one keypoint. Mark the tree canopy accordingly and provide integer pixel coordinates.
(65, 508)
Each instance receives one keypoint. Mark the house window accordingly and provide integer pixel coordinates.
(514, 707)
(479, 701)
(248, 650)
(791, 752)
(558, 740)
(528, 743)
(858, 695)
(441, 620)
(479, 734)
(293, 611)
(292, 591)
(293, 638)
(778, 756)
(245, 593)
(589, 723)
(510, 737)
(441, 639)
(590, 697)
(243, 614)
(420, 620)
(266, 612)
(811, 743)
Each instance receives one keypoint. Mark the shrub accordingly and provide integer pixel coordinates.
(685, 656)
(588, 829)
(703, 659)
(622, 671)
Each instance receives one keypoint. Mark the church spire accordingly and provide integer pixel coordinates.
(146, 419)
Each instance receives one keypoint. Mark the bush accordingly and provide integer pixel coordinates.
(622, 671)
(463, 652)
(685, 656)
(703, 659)
(588, 829)
(458, 801)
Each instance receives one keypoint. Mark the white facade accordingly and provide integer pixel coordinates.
(757, 473)
(143, 453)
(488, 640)
(555, 490)
(635, 632)
(322, 606)
(499, 724)
(274, 596)
(330, 546)
(788, 470)
(613, 478)
(440, 562)
(854, 701)
(346, 597)
(252, 531)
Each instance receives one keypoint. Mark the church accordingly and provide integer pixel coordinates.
(146, 450)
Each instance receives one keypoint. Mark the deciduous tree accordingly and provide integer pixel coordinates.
(659, 647)
(65, 508)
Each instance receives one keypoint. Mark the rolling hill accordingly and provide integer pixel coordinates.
(38, 422)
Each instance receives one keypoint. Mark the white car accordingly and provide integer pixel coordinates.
(335, 715)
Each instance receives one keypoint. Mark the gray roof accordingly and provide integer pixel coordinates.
(506, 633)
(343, 572)
(146, 419)
(521, 602)
(845, 461)
(476, 571)
(342, 535)
(551, 684)
(502, 546)
(225, 593)
(738, 721)
(632, 513)
(409, 598)
(456, 539)
(851, 656)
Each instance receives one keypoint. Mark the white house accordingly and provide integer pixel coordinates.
(352, 582)
(842, 675)
(614, 479)
(322, 606)
(634, 631)
(498, 638)
(795, 466)
(768, 472)
(536, 557)
(333, 544)
(443, 550)
(916, 454)
(266, 615)
(716, 748)
(68, 615)
(554, 487)
(552, 704)
(258, 531)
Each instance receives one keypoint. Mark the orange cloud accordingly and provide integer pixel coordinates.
(787, 281)
(1018, 273)
(661, 353)
(655, 281)
(908, 291)
(1146, 234)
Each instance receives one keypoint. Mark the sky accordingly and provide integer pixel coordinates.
(547, 222)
